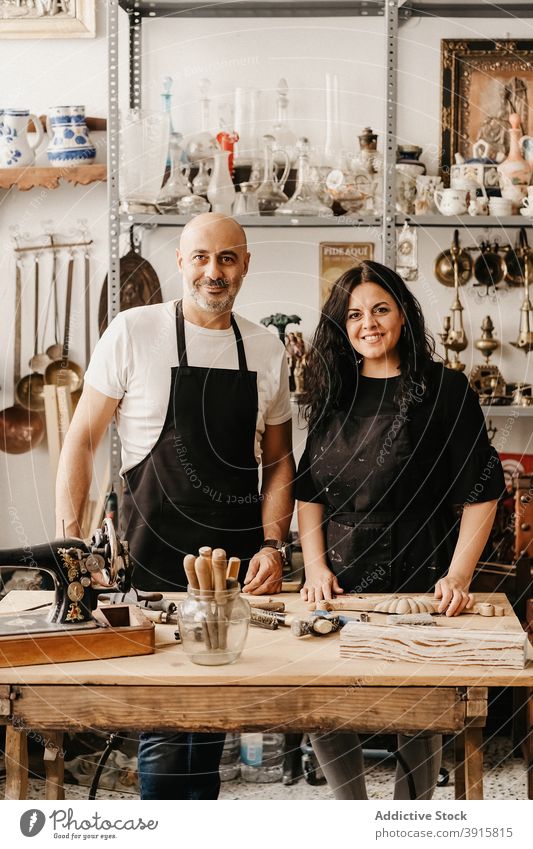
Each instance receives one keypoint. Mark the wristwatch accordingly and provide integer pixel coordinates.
(283, 548)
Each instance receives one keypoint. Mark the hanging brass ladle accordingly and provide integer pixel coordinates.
(525, 334)
(29, 391)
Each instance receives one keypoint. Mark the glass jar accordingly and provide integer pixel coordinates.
(213, 625)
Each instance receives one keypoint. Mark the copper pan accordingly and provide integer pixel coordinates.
(139, 285)
(516, 259)
(444, 265)
(20, 429)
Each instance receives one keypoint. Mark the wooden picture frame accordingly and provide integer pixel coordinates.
(482, 82)
(338, 257)
(48, 19)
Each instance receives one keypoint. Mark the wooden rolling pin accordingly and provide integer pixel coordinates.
(381, 605)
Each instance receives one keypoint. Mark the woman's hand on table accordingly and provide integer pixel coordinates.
(319, 585)
(453, 594)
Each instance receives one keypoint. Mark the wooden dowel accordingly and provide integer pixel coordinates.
(188, 564)
(219, 578)
(234, 564)
(205, 580)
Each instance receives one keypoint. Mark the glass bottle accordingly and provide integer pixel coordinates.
(262, 757)
(246, 117)
(284, 138)
(166, 97)
(333, 142)
(200, 184)
(270, 194)
(177, 185)
(230, 763)
(305, 200)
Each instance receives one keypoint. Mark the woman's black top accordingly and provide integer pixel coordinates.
(444, 458)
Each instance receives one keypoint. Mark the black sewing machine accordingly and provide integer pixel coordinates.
(81, 571)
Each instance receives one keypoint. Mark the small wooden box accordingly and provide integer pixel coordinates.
(127, 633)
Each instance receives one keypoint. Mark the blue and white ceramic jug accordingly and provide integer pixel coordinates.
(69, 141)
(15, 148)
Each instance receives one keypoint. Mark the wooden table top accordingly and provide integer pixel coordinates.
(271, 658)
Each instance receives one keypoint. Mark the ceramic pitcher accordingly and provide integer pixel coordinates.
(16, 150)
(69, 141)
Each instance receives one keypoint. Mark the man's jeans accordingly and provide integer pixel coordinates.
(180, 765)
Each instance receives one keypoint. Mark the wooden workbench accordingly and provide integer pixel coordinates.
(280, 683)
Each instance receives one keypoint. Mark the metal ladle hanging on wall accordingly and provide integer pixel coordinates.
(20, 429)
(444, 264)
(29, 391)
(65, 372)
(525, 335)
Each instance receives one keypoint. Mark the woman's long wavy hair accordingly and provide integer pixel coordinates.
(333, 362)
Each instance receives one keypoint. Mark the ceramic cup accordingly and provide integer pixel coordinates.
(451, 201)
(500, 207)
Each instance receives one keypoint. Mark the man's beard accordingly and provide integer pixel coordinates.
(212, 303)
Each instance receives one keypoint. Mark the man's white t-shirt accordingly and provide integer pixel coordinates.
(133, 359)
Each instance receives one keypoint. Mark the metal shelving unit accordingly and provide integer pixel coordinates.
(394, 13)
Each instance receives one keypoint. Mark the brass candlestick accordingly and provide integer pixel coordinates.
(487, 379)
(447, 323)
(457, 340)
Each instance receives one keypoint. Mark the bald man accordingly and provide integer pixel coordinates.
(201, 399)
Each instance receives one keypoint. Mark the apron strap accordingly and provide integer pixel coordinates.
(182, 348)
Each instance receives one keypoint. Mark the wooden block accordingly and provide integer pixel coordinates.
(130, 634)
(442, 644)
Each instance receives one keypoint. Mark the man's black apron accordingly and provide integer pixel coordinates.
(366, 458)
(199, 484)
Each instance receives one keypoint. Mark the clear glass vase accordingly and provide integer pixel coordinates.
(213, 625)
(144, 139)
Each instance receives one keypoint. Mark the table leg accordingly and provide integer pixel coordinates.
(16, 763)
(459, 746)
(54, 766)
(473, 739)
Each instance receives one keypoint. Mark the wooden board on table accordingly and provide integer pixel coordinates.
(437, 643)
(125, 633)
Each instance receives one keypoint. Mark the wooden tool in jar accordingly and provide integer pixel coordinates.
(212, 575)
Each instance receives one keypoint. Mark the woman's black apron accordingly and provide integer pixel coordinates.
(372, 547)
(199, 483)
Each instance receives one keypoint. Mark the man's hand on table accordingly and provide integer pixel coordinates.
(265, 573)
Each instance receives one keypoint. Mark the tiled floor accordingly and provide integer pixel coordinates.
(505, 778)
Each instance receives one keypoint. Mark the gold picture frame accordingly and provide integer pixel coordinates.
(48, 19)
(482, 82)
(338, 257)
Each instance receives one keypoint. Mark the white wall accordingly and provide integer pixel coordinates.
(284, 270)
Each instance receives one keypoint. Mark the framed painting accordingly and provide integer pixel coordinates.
(47, 19)
(338, 257)
(483, 82)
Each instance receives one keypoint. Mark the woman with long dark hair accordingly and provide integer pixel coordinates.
(395, 442)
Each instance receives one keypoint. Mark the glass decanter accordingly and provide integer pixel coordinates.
(305, 200)
(270, 194)
(284, 138)
(177, 185)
